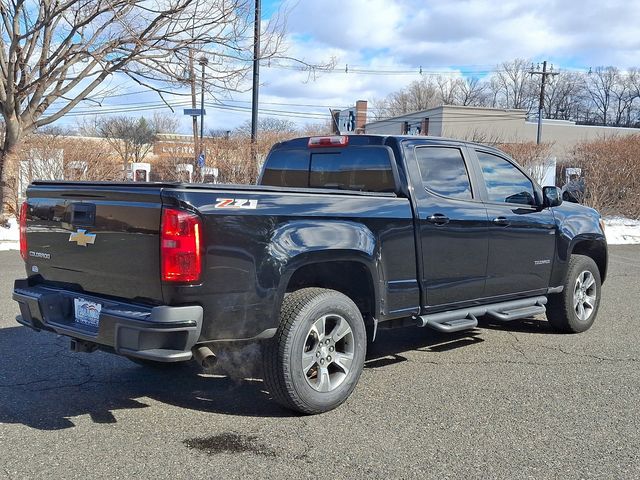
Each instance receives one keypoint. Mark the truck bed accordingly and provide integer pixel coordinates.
(250, 247)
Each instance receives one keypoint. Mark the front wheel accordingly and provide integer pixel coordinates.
(574, 309)
(317, 355)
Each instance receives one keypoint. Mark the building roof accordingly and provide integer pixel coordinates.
(467, 109)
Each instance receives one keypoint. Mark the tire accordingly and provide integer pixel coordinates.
(575, 309)
(315, 359)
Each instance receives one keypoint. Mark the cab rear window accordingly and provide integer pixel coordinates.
(361, 168)
(287, 168)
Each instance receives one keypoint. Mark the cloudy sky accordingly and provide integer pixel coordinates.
(379, 46)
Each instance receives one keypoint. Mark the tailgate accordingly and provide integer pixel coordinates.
(102, 238)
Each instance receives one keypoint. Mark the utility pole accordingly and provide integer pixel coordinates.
(194, 119)
(544, 73)
(256, 80)
(203, 61)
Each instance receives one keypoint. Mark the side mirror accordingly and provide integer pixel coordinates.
(552, 196)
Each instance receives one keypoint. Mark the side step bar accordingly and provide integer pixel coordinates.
(464, 319)
(518, 313)
(451, 326)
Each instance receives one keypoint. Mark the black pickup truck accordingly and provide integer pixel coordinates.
(342, 236)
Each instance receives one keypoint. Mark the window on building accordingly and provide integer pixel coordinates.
(424, 129)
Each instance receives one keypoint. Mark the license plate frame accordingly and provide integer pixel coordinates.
(87, 312)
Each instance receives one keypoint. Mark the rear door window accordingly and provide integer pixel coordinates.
(361, 168)
(444, 172)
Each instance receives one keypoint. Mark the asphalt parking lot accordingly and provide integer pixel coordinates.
(514, 401)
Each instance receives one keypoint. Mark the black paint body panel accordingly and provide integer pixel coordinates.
(250, 254)
(124, 259)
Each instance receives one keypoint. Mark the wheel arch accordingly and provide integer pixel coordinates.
(349, 272)
(596, 249)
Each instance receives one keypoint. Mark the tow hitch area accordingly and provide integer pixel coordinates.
(82, 346)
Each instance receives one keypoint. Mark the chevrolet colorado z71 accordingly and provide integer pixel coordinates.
(341, 235)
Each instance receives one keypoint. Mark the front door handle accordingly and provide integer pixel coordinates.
(501, 221)
(438, 219)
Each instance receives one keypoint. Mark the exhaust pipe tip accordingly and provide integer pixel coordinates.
(205, 358)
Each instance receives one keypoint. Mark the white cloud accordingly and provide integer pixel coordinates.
(352, 24)
(478, 34)
(437, 35)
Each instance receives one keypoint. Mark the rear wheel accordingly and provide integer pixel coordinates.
(316, 357)
(574, 309)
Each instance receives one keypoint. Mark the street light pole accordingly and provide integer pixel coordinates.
(194, 118)
(203, 61)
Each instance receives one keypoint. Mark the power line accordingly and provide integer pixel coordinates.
(235, 106)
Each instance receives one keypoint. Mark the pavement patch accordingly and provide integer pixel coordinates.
(229, 443)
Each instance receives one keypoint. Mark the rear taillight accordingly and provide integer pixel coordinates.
(23, 231)
(180, 243)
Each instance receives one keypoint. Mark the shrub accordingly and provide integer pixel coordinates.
(611, 169)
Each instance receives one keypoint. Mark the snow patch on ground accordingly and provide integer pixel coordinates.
(621, 230)
(4, 246)
(10, 237)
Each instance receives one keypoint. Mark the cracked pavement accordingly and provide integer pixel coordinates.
(503, 401)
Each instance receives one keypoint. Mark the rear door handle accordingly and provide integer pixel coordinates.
(438, 219)
(501, 221)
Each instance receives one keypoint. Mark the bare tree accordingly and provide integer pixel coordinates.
(447, 89)
(599, 85)
(564, 96)
(54, 155)
(634, 86)
(418, 95)
(634, 81)
(494, 87)
(131, 137)
(471, 91)
(55, 54)
(622, 102)
(268, 125)
(514, 85)
(164, 123)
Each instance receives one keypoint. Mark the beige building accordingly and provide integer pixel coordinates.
(492, 125)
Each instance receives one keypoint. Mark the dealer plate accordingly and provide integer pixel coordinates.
(87, 313)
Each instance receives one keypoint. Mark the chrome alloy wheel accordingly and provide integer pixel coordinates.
(328, 353)
(584, 295)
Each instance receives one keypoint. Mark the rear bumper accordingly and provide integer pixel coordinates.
(162, 333)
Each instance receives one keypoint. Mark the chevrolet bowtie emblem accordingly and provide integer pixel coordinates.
(82, 238)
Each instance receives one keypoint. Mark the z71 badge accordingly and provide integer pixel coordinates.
(236, 203)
